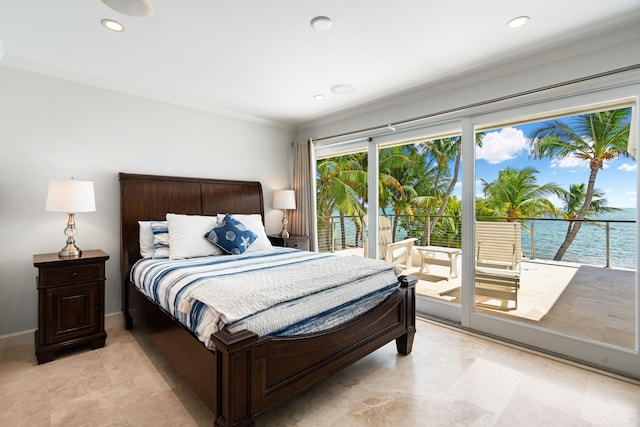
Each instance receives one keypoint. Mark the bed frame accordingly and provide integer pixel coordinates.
(245, 375)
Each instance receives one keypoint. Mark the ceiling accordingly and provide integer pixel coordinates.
(262, 60)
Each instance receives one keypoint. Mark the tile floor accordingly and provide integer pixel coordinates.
(450, 379)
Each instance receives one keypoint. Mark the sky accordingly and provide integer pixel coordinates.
(510, 147)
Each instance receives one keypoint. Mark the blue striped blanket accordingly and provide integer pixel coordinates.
(277, 292)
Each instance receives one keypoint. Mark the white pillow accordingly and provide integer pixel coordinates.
(254, 223)
(146, 239)
(186, 236)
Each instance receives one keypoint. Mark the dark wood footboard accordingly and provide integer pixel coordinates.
(255, 375)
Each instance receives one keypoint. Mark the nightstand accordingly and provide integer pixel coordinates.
(293, 241)
(70, 302)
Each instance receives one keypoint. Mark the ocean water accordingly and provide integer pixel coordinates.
(589, 246)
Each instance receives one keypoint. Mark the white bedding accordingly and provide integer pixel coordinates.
(280, 291)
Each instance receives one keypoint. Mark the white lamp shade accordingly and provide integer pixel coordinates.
(70, 196)
(284, 199)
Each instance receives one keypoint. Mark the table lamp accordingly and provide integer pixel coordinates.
(284, 199)
(70, 196)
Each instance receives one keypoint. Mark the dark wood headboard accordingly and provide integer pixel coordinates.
(151, 197)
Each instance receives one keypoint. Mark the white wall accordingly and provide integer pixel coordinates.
(55, 129)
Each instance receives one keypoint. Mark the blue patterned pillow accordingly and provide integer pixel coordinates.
(231, 236)
(160, 231)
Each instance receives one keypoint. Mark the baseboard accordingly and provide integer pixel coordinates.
(114, 319)
(17, 339)
(26, 337)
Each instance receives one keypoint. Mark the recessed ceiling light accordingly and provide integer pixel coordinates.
(137, 8)
(321, 23)
(518, 22)
(342, 89)
(319, 97)
(112, 25)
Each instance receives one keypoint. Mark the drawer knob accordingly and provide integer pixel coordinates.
(74, 274)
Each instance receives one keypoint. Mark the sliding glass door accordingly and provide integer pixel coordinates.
(555, 237)
(420, 212)
(341, 200)
(520, 223)
(412, 180)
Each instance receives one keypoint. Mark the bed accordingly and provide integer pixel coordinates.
(245, 374)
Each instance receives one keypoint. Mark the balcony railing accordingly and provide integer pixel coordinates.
(605, 242)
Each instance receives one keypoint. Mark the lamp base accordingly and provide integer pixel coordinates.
(70, 251)
(284, 234)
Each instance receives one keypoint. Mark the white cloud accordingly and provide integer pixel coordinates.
(555, 201)
(500, 146)
(572, 161)
(627, 167)
(629, 200)
(569, 162)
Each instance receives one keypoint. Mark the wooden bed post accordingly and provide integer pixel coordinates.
(404, 344)
(234, 387)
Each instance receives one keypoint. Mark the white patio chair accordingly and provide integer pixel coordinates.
(399, 252)
(498, 252)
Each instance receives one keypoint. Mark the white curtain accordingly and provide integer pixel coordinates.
(302, 219)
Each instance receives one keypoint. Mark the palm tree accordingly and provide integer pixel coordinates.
(515, 194)
(397, 171)
(445, 150)
(449, 230)
(362, 188)
(415, 172)
(337, 181)
(594, 137)
(573, 201)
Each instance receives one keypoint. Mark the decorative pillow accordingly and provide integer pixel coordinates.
(186, 236)
(231, 236)
(146, 239)
(160, 239)
(254, 223)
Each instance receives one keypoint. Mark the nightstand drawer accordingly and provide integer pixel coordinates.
(302, 244)
(75, 274)
(293, 241)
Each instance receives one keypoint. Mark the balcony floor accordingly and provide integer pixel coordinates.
(576, 299)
